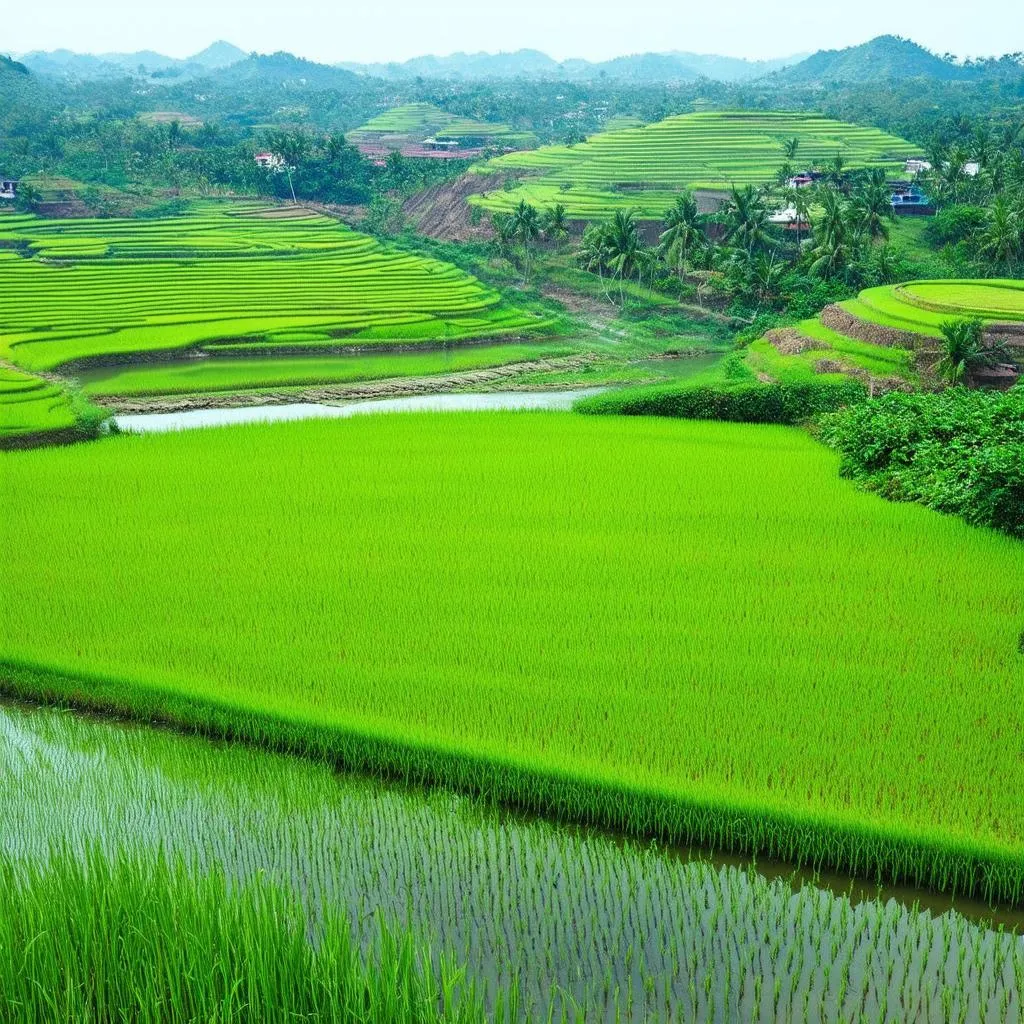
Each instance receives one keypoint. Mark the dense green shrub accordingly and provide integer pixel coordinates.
(960, 451)
(955, 224)
(740, 402)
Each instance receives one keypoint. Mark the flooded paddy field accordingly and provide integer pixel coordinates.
(577, 922)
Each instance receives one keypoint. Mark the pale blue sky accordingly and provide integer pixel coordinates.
(396, 29)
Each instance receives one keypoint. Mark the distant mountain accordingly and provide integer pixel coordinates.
(287, 70)
(68, 64)
(12, 68)
(639, 68)
(884, 58)
(218, 55)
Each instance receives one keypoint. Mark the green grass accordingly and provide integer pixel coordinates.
(692, 630)
(220, 374)
(645, 168)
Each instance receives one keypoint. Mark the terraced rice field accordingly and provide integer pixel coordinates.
(226, 279)
(560, 918)
(590, 617)
(30, 404)
(415, 122)
(881, 330)
(645, 168)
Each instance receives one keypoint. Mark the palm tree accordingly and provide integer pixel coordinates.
(963, 350)
(872, 208)
(746, 219)
(504, 232)
(526, 226)
(593, 253)
(555, 223)
(790, 147)
(835, 239)
(683, 233)
(800, 200)
(1001, 237)
(626, 250)
(834, 171)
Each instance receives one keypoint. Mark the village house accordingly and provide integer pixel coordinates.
(801, 180)
(269, 161)
(8, 188)
(441, 145)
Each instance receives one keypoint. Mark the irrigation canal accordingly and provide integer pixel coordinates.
(624, 931)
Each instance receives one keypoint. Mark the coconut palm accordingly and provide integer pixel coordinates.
(746, 219)
(683, 234)
(627, 253)
(526, 227)
(1001, 238)
(872, 208)
(799, 200)
(963, 350)
(555, 223)
(836, 238)
(593, 253)
(790, 147)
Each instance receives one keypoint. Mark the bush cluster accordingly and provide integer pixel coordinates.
(960, 451)
(738, 401)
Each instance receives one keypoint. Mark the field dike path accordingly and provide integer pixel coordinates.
(392, 387)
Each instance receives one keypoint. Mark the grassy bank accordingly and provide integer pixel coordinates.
(692, 630)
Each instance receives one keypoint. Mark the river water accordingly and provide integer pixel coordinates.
(148, 423)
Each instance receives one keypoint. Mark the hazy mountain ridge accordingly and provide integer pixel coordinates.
(640, 67)
(69, 64)
(885, 57)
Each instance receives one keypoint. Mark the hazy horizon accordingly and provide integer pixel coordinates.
(570, 29)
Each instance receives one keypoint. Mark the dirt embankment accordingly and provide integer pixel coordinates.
(443, 211)
(394, 387)
(837, 319)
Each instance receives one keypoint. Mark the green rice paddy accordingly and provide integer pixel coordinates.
(644, 168)
(688, 630)
(540, 917)
(227, 279)
(232, 375)
(414, 122)
(916, 309)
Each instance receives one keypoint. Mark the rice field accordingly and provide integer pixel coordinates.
(542, 918)
(691, 631)
(227, 279)
(644, 168)
(221, 374)
(885, 329)
(415, 122)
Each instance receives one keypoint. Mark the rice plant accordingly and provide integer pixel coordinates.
(540, 918)
(643, 168)
(689, 631)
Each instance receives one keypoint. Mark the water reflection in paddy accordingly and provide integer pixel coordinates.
(581, 918)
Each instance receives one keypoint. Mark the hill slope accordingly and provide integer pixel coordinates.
(643, 169)
(887, 57)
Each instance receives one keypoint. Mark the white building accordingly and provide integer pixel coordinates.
(8, 188)
(917, 166)
(269, 161)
